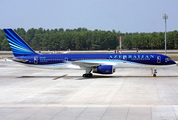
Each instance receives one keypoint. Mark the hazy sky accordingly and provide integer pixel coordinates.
(120, 15)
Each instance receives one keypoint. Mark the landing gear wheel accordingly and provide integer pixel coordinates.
(87, 75)
(154, 75)
(90, 75)
(155, 71)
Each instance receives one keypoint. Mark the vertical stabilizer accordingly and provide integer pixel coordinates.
(18, 46)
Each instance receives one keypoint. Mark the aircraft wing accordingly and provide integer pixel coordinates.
(92, 64)
(86, 64)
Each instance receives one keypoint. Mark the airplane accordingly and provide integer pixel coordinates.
(91, 63)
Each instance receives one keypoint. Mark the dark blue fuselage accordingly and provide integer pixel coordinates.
(142, 58)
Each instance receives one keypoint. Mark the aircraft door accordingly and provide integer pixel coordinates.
(125, 57)
(66, 59)
(158, 59)
(35, 59)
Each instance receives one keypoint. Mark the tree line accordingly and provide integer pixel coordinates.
(84, 39)
(155, 40)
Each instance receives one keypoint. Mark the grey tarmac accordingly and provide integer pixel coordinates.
(129, 94)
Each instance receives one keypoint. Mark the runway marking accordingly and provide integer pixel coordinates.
(60, 77)
(79, 105)
(174, 75)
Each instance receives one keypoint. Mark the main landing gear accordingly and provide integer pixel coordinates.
(88, 73)
(154, 72)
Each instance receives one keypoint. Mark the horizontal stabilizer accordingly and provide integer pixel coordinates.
(17, 60)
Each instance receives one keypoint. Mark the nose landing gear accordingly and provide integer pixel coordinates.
(154, 72)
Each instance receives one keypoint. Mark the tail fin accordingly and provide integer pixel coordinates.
(18, 46)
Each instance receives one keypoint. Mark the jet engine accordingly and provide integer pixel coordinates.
(104, 69)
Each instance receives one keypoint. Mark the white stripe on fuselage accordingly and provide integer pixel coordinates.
(125, 64)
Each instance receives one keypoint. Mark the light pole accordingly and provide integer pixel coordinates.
(165, 17)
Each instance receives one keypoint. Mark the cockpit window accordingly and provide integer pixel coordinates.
(167, 59)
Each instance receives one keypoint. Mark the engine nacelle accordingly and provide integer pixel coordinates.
(104, 69)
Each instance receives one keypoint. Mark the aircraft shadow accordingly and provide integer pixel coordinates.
(94, 77)
(128, 76)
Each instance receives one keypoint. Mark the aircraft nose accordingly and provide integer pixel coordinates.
(173, 62)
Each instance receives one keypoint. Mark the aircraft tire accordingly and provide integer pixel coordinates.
(87, 75)
(154, 75)
(84, 75)
(90, 75)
